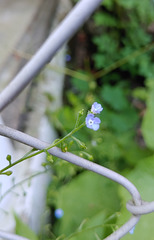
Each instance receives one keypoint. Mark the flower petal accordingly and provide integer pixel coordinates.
(92, 122)
(95, 127)
(97, 120)
(59, 213)
(90, 117)
(96, 108)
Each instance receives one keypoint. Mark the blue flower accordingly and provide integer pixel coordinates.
(96, 108)
(92, 122)
(67, 58)
(59, 213)
(132, 230)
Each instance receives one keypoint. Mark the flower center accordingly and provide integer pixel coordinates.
(90, 122)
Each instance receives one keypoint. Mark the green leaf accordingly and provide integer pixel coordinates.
(123, 121)
(143, 178)
(104, 19)
(140, 93)
(84, 198)
(148, 120)
(108, 4)
(99, 60)
(24, 230)
(65, 119)
(73, 99)
(80, 85)
(8, 157)
(90, 227)
(127, 4)
(64, 170)
(8, 173)
(104, 40)
(114, 96)
(141, 9)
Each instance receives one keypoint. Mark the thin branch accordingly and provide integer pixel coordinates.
(61, 35)
(35, 152)
(67, 156)
(21, 182)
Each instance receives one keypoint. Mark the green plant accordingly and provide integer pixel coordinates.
(123, 49)
(121, 29)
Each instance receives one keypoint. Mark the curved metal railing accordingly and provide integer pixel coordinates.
(78, 15)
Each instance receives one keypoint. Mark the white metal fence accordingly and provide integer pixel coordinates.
(72, 22)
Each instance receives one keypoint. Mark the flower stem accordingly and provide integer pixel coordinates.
(27, 156)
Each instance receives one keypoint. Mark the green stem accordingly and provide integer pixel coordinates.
(70, 72)
(109, 225)
(27, 156)
(67, 136)
(21, 182)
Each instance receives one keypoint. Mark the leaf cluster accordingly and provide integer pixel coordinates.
(121, 28)
(121, 36)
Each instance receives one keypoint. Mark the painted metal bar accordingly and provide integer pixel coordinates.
(67, 28)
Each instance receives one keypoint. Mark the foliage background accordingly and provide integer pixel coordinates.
(112, 58)
(114, 54)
